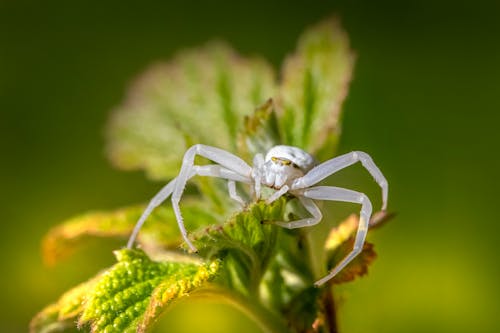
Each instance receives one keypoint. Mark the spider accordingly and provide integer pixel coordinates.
(285, 169)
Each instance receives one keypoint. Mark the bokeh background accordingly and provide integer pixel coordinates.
(425, 103)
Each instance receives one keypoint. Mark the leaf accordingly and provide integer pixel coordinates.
(250, 228)
(159, 231)
(134, 291)
(245, 242)
(339, 243)
(341, 233)
(314, 86)
(358, 266)
(260, 131)
(200, 96)
(174, 288)
(128, 296)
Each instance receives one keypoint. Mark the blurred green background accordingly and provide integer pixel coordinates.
(425, 103)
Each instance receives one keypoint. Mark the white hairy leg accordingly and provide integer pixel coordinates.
(311, 207)
(166, 191)
(342, 194)
(258, 161)
(217, 171)
(333, 165)
(227, 160)
(157, 200)
(231, 186)
(276, 195)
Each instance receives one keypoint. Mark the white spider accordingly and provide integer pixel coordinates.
(285, 169)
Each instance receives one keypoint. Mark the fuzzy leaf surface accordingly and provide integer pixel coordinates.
(160, 231)
(260, 131)
(200, 96)
(136, 290)
(245, 243)
(315, 84)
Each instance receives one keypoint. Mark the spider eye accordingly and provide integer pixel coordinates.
(282, 161)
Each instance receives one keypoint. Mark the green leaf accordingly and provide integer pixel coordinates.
(260, 131)
(174, 288)
(136, 290)
(160, 231)
(127, 297)
(245, 242)
(315, 83)
(200, 96)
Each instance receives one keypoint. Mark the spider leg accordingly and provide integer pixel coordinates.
(276, 195)
(233, 168)
(231, 186)
(333, 165)
(258, 162)
(217, 171)
(161, 196)
(221, 172)
(166, 191)
(341, 194)
(311, 207)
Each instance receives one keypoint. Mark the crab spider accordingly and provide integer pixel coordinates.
(285, 169)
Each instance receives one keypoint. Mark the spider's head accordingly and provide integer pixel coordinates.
(283, 164)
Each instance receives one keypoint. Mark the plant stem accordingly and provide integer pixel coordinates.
(327, 300)
(330, 310)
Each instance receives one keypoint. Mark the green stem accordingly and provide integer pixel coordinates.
(326, 297)
(312, 255)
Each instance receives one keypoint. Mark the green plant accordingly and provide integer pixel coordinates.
(204, 96)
